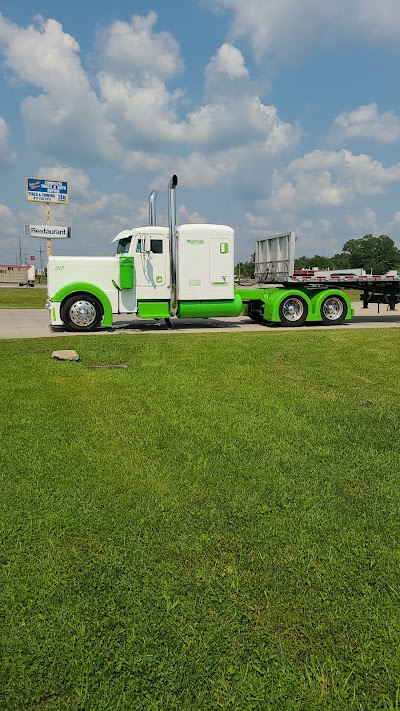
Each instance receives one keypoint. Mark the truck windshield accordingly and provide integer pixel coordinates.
(123, 245)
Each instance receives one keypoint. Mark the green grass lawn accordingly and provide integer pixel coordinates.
(216, 527)
(353, 294)
(23, 298)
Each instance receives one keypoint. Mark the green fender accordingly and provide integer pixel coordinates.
(319, 296)
(82, 286)
(273, 298)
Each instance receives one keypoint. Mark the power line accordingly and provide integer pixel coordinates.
(5, 249)
(3, 257)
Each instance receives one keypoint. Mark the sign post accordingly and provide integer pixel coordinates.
(47, 223)
(48, 191)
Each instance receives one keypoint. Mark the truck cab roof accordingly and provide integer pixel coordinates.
(149, 229)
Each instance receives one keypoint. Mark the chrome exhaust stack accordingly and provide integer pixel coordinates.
(152, 208)
(173, 240)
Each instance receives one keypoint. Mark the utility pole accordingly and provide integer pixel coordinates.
(20, 252)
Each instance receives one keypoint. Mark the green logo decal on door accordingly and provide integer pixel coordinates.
(224, 247)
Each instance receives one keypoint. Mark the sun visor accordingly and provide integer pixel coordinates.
(122, 235)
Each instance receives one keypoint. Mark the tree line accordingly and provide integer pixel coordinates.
(373, 254)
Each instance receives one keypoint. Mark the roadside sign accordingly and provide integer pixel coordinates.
(47, 231)
(40, 190)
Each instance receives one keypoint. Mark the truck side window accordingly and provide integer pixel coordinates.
(139, 246)
(123, 245)
(156, 246)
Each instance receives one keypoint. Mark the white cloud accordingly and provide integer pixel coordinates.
(316, 173)
(141, 109)
(7, 156)
(128, 48)
(66, 119)
(135, 121)
(285, 28)
(195, 171)
(230, 61)
(361, 222)
(332, 195)
(85, 200)
(5, 213)
(323, 196)
(77, 179)
(9, 230)
(187, 217)
(378, 21)
(240, 170)
(367, 122)
(234, 114)
(240, 122)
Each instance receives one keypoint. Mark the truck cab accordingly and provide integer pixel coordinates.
(157, 272)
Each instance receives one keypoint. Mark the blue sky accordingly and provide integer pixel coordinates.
(275, 115)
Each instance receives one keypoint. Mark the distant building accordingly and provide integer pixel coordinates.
(21, 274)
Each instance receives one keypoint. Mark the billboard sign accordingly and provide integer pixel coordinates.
(40, 190)
(47, 231)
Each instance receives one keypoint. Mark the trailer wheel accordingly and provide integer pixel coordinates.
(81, 312)
(293, 311)
(333, 310)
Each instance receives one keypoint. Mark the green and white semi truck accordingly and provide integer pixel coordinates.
(186, 271)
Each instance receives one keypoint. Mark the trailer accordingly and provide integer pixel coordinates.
(17, 274)
(186, 271)
(304, 297)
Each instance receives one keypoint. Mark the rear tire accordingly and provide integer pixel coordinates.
(293, 311)
(81, 312)
(333, 310)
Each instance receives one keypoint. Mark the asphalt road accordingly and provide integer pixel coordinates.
(34, 323)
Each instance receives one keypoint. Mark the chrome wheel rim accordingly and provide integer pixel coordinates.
(82, 313)
(332, 308)
(293, 309)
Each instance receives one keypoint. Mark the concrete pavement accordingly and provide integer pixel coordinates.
(34, 323)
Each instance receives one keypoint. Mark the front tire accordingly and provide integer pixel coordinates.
(333, 310)
(81, 312)
(293, 311)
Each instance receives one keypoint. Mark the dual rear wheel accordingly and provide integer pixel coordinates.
(333, 310)
(293, 310)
